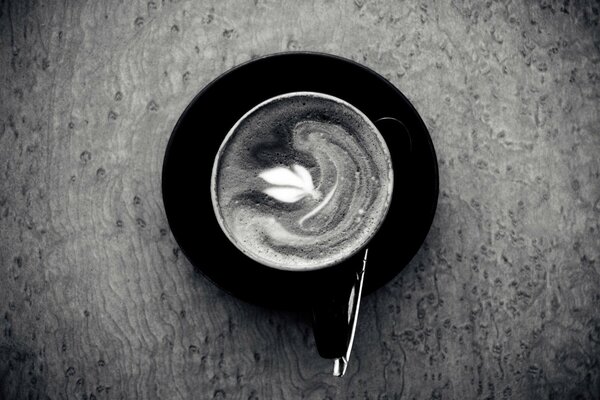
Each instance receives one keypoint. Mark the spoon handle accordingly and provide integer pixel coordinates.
(335, 315)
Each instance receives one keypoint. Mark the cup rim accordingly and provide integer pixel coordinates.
(362, 244)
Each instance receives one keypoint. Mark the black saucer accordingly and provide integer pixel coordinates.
(202, 127)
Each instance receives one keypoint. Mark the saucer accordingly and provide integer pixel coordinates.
(196, 138)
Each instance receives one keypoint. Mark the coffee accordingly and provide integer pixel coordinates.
(302, 181)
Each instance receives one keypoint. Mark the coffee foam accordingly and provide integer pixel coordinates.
(260, 189)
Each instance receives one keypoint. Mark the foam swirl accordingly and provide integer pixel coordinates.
(302, 181)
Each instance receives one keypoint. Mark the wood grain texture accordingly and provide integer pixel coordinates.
(97, 301)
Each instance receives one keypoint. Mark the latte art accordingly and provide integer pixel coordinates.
(302, 181)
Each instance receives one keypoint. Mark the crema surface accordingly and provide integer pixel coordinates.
(302, 181)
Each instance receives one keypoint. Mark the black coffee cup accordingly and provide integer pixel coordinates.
(334, 291)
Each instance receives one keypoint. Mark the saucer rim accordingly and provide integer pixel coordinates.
(232, 289)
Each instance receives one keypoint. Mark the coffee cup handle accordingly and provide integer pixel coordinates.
(335, 313)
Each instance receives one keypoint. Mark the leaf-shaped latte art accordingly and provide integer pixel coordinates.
(289, 184)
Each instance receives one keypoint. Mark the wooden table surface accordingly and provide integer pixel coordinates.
(98, 302)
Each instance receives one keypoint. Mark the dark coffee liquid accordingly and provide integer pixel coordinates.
(302, 181)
